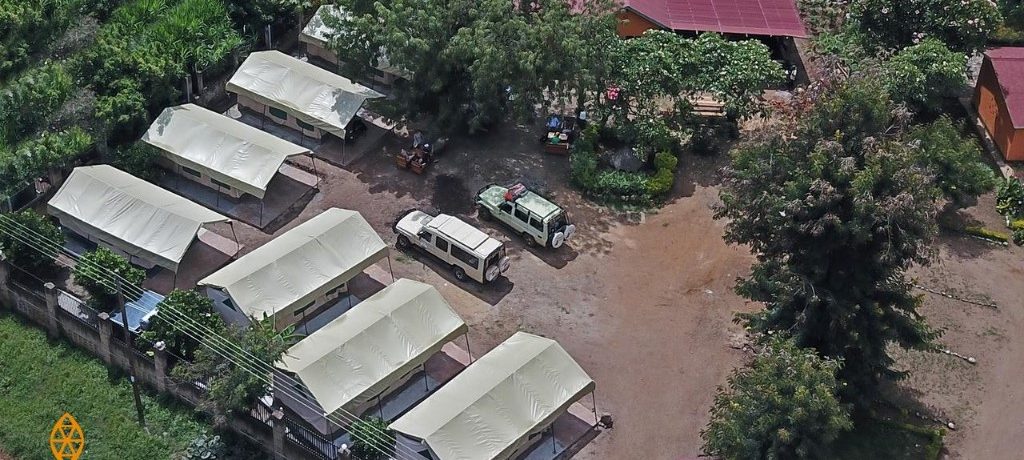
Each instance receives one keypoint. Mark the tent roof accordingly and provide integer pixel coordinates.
(313, 95)
(489, 409)
(301, 264)
(228, 150)
(362, 352)
(754, 17)
(1008, 63)
(136, 216)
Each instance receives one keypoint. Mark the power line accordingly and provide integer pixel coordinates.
(379, 435)
(218, 341)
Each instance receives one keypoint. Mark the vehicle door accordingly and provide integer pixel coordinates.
(537, 229)
(505, 214)
(521, 220)
(429, 242)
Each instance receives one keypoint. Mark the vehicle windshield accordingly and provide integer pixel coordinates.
(557, 223)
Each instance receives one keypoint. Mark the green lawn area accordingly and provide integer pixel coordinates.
(873, 439)
(40, 380)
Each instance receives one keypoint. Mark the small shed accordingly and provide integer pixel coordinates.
(298, 94)
(219, 152)
(300, 270)
(999, 99)
(112, 208)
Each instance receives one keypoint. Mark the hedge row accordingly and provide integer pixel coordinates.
(621, 186)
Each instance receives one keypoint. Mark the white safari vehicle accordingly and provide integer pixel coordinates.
(537, 220)
(470, 252)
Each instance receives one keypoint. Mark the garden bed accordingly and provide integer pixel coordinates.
(592, 173)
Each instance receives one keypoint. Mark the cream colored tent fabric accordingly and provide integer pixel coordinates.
(311, 94)
(301, 265)
(227, 150)
(490, 409)
(319, 34)
(130, 214)
(365, 351)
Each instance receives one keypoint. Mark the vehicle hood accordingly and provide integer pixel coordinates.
(413, 222)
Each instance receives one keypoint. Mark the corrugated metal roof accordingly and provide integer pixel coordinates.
(755, 17)
(1008, 62)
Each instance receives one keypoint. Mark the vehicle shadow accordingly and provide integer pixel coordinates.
(492, 292)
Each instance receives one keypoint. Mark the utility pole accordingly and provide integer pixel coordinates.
(131, 348)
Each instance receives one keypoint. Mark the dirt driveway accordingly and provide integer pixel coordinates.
(647, 308)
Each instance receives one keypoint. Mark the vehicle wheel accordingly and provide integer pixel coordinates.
(460, 274)
(403, 242)
(558, 240)
(529, 240)
(485, 214)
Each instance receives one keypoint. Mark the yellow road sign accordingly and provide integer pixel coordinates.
(67, 440)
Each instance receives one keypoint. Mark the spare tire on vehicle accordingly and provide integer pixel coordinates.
(558, 240)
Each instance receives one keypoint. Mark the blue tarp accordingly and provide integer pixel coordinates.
(139, 311)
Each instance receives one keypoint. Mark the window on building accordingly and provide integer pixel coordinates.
(304, 125)
(191, 171)
(441, 244)
(278, 113)
(220, 184)
(465, 257)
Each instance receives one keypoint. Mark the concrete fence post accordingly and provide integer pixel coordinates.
(277, 418)
(52, 325)
(160, 363)
(55, 175)
(105, 329)
(5, 295)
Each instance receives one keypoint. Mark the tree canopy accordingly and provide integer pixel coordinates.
(784, 405)
(835, 213)
(24, 232)
(964, 25)
(166, 326)
(98, 271)
(922, 75)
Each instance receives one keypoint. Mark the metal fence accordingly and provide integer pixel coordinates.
(311, 441)
(77, 308)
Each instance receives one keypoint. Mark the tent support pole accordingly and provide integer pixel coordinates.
(554, 442)
(426, 383)
(391, 270)
(174, 280)
(593, 402)
(380, 408)
(261, 213)
(312, 159)
(238, 247)
(466, 335)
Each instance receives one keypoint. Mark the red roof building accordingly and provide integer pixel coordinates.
(771, 18)
(999, 98)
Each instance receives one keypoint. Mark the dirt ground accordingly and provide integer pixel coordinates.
(645, 302)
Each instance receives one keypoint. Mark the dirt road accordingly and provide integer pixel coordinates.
(647, 308)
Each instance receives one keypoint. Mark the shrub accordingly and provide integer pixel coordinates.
(95, 272)
(372, 439)
(661, 182)
(922, 75)
(624, 185)
(1010, 198)
(963, 25)
(164, 326)
(28, 100)
(955, 161)
(1018, 237)
(32, 157)
(31, 229)
(984, 233)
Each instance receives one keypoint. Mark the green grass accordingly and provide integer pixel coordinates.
(876, 439)
(40, 380)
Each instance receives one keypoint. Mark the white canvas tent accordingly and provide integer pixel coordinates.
(227, 150)
(372, 348)
(313, 95)
(490, 410)
(129, 214)
(318, 34)
(302, 265)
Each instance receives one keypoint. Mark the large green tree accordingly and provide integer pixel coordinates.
(922, 75)
(181, 336)
(235, 366)
(955, 161)
(784, 405)
(489, 60)
(836, 209)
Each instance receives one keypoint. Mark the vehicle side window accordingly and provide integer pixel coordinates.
(506, 206)
(536, 223)
(522, 215)
(441, 244)
(465, 257)
(426, 236)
